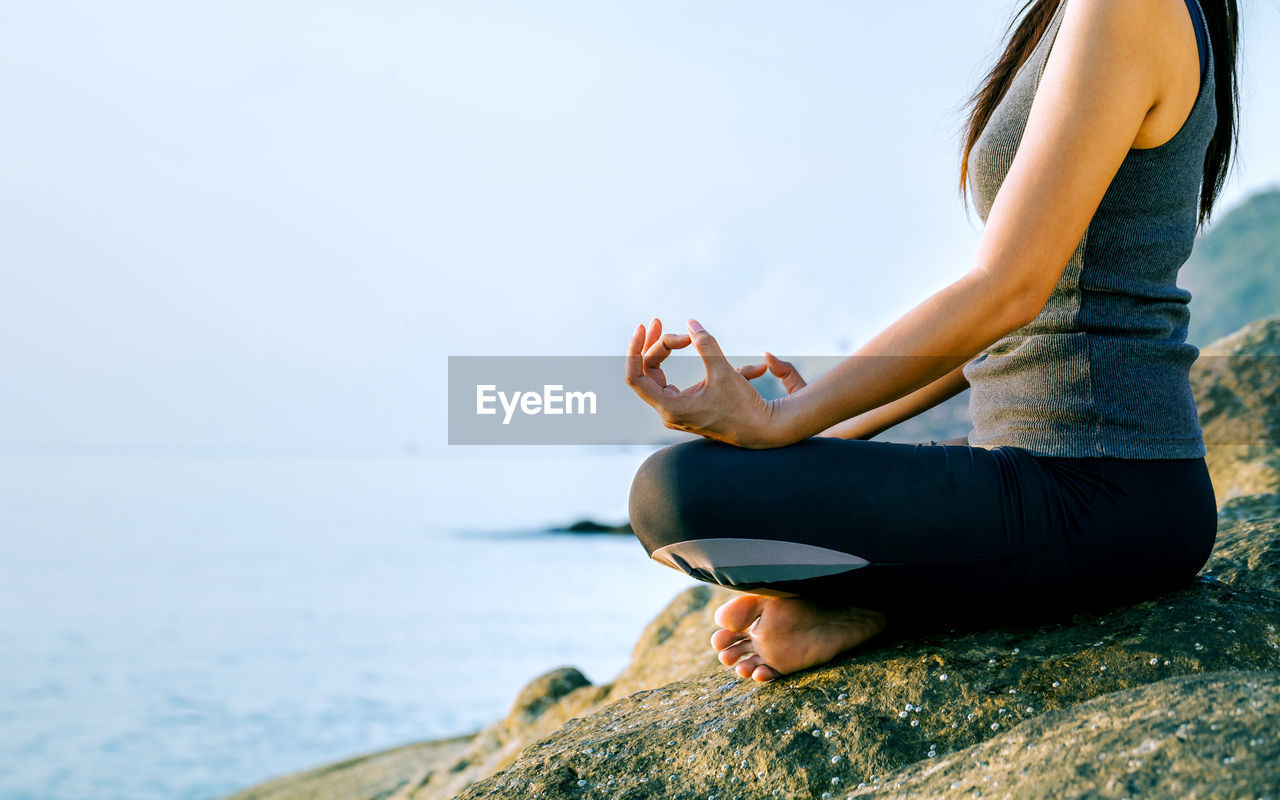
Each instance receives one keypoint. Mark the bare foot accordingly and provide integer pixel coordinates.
(765, 637)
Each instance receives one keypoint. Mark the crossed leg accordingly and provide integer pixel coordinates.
(829, 539)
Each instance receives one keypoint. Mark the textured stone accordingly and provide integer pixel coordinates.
(673, 646)
(390, 775)
(1249, 506)
(886, 704)
(1237, 390)
(1247, 553)
(1214, 734)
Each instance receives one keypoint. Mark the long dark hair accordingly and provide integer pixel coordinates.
(1222, 19)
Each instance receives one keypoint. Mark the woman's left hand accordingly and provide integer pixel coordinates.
(723, 406)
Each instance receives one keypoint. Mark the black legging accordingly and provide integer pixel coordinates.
(925, 531)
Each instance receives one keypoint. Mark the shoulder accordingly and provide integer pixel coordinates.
(1131, 40)
(1147, 31)
(1134, 17)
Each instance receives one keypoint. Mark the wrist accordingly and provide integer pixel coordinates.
(783, 428)
(852, 428)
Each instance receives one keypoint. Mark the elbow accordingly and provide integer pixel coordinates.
(1011, 304)
(1024, 308)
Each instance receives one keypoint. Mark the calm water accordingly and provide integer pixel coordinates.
(181, 626)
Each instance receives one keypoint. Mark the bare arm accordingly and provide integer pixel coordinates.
(933, 340)
(1101, 78)
(877, 420)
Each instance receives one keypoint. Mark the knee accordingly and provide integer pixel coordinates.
(665, 495)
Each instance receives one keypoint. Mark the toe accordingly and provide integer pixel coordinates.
(723, 638)
(747, 666)
(765, 673)
(730, 655)
(740, 612)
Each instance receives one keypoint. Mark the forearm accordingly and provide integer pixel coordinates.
(930, 341)
(871, 423)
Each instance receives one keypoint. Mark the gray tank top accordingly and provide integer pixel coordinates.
(1103, 370)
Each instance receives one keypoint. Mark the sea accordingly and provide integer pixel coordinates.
(183, 622)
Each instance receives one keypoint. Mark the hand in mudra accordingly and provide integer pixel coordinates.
(723, 406)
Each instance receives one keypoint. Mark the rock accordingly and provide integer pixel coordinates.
(389, 775)
(673, 646)
(543, 692)
(1206, 735)
(591, 526)
(542, 706)
(1247, 553)
(882, 708)
(1243, 470)
(676, 644)
(1249, 506)
(1237, 389)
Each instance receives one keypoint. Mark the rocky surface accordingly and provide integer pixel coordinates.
(882, 708)
(1247, 553)
(673, 646)
(1211, 734)
(1174, 696)
(1237, 387)
(389, 775)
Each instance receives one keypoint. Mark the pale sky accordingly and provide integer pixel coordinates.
(270, 223)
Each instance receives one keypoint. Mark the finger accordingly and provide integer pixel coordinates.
(753, 371)
(653, 334)
(635, 348)
(662, 348)
(658, 353)
(784, 371)
(635, 357)
(777, 366)
(644, 385)
(709, 349)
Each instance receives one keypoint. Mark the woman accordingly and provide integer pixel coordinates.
(1083, 479)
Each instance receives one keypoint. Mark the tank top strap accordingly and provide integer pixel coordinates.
(1202, 33)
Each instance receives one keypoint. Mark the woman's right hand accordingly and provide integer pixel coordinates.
(784, 371)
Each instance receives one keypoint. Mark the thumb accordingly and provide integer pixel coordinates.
(709, 349)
